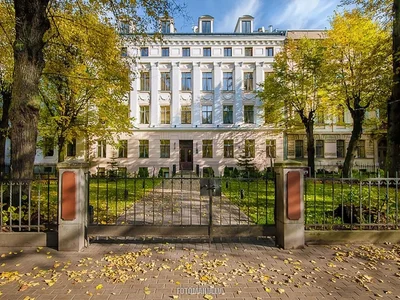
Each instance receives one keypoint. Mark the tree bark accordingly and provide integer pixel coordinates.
(31, 24)
(4, 126)
(393, 153)
(358, 116)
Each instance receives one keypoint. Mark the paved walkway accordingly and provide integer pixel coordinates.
(178, 202)
(254, 270)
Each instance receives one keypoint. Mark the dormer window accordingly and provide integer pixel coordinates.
(246, 26)
(166, 26)
(206, 26)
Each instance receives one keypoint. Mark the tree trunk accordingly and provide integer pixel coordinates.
(393, 153)
(358, 115)
(308, 123)
(4, 126)
(30, 26)
(61, 147)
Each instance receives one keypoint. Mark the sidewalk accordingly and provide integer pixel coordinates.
(255, 270)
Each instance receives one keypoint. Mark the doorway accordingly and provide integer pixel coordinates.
(186, 155)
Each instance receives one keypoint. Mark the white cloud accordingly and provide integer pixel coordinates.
(300, 14)
(239, 8)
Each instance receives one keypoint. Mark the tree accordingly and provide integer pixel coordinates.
(359, 61)
(33, 21)
(85, 82)
(297, 86)
(7, 25)
(388, 13)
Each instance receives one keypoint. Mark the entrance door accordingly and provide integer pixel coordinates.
(186, 155)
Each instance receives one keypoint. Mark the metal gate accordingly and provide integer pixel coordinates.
(181, 206)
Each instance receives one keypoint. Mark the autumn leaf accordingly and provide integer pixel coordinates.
(208, 297)
(99, 287)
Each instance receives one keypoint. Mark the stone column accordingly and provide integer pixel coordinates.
(73, 191)
(196, 109)
(175, 92)
(289, 214)
(217, 94)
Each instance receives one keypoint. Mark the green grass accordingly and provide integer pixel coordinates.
(111, 198)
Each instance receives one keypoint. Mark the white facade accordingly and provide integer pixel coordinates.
(194, 106)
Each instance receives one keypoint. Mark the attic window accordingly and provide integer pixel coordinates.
(206, 26)
(246, 26)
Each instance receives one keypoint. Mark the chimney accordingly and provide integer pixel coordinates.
(270, 28)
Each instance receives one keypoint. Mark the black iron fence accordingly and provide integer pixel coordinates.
(29, 205)
(355, 203)
(181, 200)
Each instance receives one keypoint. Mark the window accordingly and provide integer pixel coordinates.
(165, 81)
(228, 51)
(340, 148)
(246, 26)
(207, 149)
(319, 148)
(207, 81)
(271, 148)
(185, 51)
(123, 148)
(249, 114)
(166, 26)
(164, 51)
(101, 149)
(319, 118)
(248, 51)
(250, 148)
(143, 148)
(124, 51)
(165, 113)
(361, 149)
(228, 114)
(248, 81)
(164, 148)
(340, 115)
(186, 114)
(206, 51)
(144, 114)
(144, 51)
(48, 146)
(228, 148)
(269, 51)
(206, 26)
(71, 148)
(186, 81)
(145, 81)
(227, 84)
(299, 151)
(124, 27)
(207, 114)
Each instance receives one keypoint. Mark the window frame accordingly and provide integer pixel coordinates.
(206, 114)
(227, 51)
(71, 148)
(186, 52)
(207, 148)
(227, 114)
(246, 26)
(340, 149)
(269, 51)
(145, 81)
(165, 114)
(299, 149)
(165, 148)
(361, 149)
(144, 117)
(185, 114)
(207, 52)
(227, 81)
(319, 148)
(166, 26)
(248, 51)
(165, 78)
(248, 114)
(248, 81)
(270, 148)
(144, 51)
(101, 149)
(250, 148)
(165, 51)
(205, 26)
(207, 81)
(186, 81)
(144, 148)
(123, 149)
(229, 148)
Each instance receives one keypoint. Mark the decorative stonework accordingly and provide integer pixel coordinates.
(207, 96)
(228, 95)
(144, 97)
(249, 96)
(164, 97)
(186, 96)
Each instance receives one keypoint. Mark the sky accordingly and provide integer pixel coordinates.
(281, 14)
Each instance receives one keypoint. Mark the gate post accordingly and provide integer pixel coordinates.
(289, 205)
(72, 215)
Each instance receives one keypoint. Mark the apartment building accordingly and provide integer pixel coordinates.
(195, 106)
